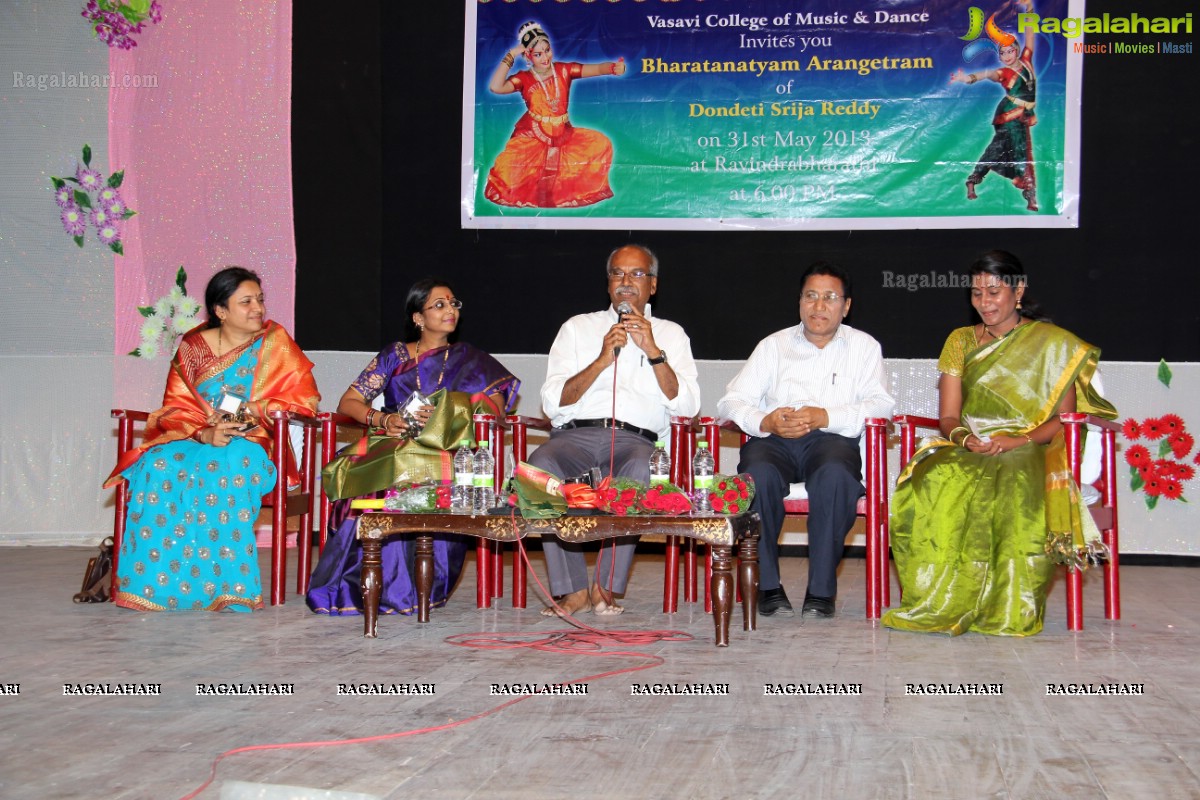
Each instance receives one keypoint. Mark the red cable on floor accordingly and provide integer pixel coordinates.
(588, 641)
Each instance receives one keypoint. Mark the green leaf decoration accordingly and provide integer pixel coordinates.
(58, 183)
(128, 13)
(181, 279)
(146, 311)
(82, 199)
(116, 179)
(135, 352)
(87, 155)
(1151, 502)
(78, 240)
(72, 180)
(1164, 373)
(1135, 479)
(1164, 448)
(128, 213)
(141, 7)
(117, 248)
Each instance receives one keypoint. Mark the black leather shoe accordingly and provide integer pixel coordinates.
(772, 601)
(820, 607)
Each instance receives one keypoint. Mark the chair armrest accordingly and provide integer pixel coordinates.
(292, 417)
(537, 423)
(916, 421)
(1078, 418)
(130, 414)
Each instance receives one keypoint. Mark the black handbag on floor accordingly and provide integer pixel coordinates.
(97, 578)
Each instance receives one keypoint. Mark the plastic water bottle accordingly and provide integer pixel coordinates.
(702, 478)
(485, 478)
(461, 496)
(660, 465)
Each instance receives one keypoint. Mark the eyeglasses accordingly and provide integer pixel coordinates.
(830, 298)
(620, 275)
(440, 305)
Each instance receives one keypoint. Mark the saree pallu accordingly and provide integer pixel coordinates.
(470, 375)
(189, 536)
(976, 538)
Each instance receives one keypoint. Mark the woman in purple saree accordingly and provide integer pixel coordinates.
(427, 363)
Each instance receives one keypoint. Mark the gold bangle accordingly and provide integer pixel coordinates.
(507, 60)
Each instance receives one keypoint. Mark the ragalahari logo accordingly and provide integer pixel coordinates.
(978, 26)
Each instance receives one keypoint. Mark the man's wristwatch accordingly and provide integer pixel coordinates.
(662, 359)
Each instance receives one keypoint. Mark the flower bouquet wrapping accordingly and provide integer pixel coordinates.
(419, 497)
(731, 494)
(667, 499)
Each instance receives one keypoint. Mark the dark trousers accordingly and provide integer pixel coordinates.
(570, 453)
(831, 468)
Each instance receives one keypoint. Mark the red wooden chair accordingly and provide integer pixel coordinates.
(873, 506)
(489, 562)
(681, 433)
(282, 504)
(1104, 510)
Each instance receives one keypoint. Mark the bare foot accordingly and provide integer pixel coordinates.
(575, 602)
(604, 604)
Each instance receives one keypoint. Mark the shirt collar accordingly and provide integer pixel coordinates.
(838, 336)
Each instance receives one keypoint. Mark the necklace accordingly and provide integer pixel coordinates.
(553, 101)
(442, 374)
(988, 330)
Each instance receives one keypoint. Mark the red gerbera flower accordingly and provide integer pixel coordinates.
(1181, 443)
(1184, 472)
(1172, 490)
(723, 485)
(1131, 429)
(1153, 428)
(734, 508)
(1171, 422)
(731, 495)
(1145, 470)
(718, 505)
(743, 494)
(1153, 487)
(1137, 456)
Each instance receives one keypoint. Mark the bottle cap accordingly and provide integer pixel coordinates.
(702, 444)
(660, 443)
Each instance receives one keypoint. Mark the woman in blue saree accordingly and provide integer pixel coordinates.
(197, 481)
(982, 514)
(426, 363)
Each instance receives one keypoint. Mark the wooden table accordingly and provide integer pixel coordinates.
(720, 532)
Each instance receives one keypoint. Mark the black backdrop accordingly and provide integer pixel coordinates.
(376, 147)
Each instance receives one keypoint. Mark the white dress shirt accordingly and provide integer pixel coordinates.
(845, 377)
(640, 401)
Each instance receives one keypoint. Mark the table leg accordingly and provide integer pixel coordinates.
(372, 584)
(722, 592)
(748, 552)
(424, 570)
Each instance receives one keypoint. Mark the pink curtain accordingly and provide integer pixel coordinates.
(199, 120)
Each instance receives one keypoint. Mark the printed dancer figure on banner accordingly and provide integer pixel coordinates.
(1010, 153)
(547, 162)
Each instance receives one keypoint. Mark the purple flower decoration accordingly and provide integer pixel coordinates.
(65, 197)
(156, 15)
(104, 33)
(110, 234)
(91, 10)
(116, 21)
(100, 217)
(73, 220)
(108, 196)
(89, 179)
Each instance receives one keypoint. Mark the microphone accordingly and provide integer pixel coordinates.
(622, 309)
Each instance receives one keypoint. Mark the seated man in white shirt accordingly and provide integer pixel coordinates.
(802, 397)
(578, 397)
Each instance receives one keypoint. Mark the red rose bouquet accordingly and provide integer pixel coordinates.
(666, 498)
(620, 496)
(731, 494)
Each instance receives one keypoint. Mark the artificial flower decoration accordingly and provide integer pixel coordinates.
(172, 315)
(114, 22)
(418, 497)
(92, 200)
(667, 499)
(731, 494)
(620, 496)
(1164, 475)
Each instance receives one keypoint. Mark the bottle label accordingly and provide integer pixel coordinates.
(702, 481)
(658, 480)
(485, 481)
(464, 479)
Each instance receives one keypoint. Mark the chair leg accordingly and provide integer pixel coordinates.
(518, 577)
(497, 569)
(689, 570)
(708, 574)
(1112, 576)
(671, 576)
(1074, 599)
(483, 574)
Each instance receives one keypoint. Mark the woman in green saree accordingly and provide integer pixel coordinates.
(983, 513)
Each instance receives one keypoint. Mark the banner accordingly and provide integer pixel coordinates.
(766, 114)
